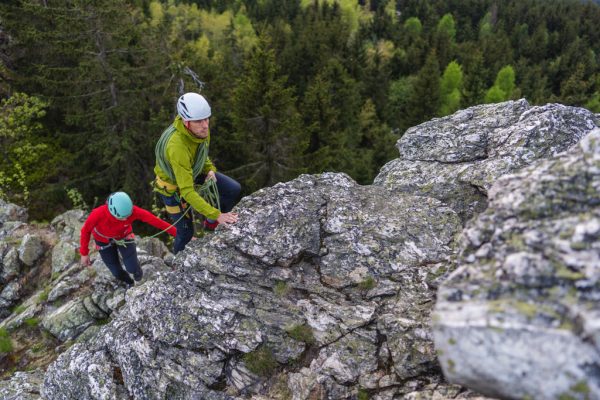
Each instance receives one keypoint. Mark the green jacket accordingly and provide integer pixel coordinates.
(180, 154)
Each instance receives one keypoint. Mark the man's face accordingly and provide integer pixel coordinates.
(198, 128)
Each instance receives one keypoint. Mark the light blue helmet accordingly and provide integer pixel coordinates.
(193, 107)
(120, 205)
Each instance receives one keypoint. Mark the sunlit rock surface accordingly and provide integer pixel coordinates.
(520, 318)
(457, 158)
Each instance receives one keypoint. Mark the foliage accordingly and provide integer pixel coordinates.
(301, 333)
(367, 284)
(267, 124)
(504, 86)
(19, 309)
(22, 149)
(6, 345)
(32, 322)
(261, 361)
(281, 289)
(43, 296)
(76, 199)
(295, 85)
(450, 89)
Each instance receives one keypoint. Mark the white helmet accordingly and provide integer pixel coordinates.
(193, 107)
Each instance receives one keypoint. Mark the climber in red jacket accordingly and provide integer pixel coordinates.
(110, 224)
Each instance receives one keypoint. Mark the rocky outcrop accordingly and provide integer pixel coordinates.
(47, 299)
(16, 254)
(325, 282)
(520, 317)
(22, 386)
(325, 289)
(457, 158)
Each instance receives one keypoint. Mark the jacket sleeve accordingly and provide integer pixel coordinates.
(208, 166)
(185, 181)
(149, 218)
(86, 232)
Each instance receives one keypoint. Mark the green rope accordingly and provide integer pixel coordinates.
(209, 192)
(161, 155)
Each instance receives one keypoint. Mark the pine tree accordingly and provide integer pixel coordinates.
(504, 86)
(103, 76)
(331, 110)
(475, 77)
(450, 89)
(425, 99)
(267, 126)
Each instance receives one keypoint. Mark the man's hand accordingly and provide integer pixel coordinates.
(227, 218)
(85, 261)
(211, 176)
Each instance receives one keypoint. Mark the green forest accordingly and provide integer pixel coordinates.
(296, 86)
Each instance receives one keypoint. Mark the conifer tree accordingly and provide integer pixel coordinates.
(504, 87)
(267, 126)
(425, 96)
(474, 77)
(450, 89)
(104, 78)
(331, 110)
(376, 146)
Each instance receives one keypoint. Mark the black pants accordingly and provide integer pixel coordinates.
(110, 256)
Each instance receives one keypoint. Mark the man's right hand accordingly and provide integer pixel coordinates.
(227, 218)
(85, 261)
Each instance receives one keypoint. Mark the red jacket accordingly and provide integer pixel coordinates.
(108, 226)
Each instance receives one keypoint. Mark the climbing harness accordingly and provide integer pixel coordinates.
(208, 190)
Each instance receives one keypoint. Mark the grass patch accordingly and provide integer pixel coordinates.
(32, 322)
(363, 394)
(37, 348)
(281, 289)
(367, 284)
(19, 309)
(43, 296)
(102, 322)
(6, 345)
(261, 361)
(301, 333)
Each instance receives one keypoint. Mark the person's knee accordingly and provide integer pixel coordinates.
(236, 188)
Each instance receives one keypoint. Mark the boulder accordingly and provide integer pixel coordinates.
(457, 158)
(519, 318)
(31, 249)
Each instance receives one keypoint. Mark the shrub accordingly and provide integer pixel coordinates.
(301, 333)
(6, 345)
(261, 361)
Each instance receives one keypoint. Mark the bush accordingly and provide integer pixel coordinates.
(6, 345)
(281, 289)
(302, 333)
(261, 361)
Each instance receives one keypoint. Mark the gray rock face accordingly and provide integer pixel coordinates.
(31, 249)
(324, 288)
(10, 212)
(319, 271)
(520, 317)
(22, 386)
(68, 226)
(10, 266)
(457, 158)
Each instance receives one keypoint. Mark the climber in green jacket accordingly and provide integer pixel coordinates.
(182, 161)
